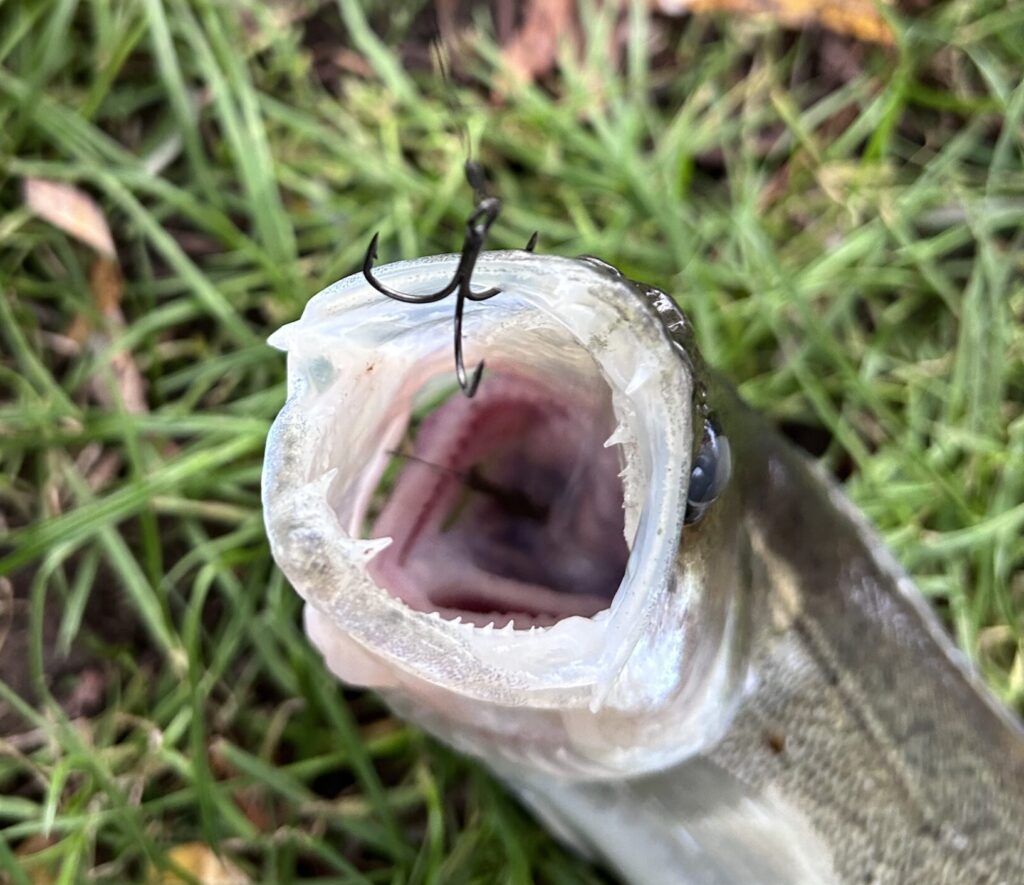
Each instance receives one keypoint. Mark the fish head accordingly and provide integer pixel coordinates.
(549, 573)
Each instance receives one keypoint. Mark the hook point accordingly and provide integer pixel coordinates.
(371, 252)
(474, 381)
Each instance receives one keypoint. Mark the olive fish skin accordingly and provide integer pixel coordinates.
(786, 708)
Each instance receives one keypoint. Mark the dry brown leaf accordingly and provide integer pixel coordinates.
(534, 50)
(198, 859)
(858, 18)
(76, 213)
(107, 287)
(72, 210)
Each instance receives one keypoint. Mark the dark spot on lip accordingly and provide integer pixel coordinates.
(370, 368)
(776, 742)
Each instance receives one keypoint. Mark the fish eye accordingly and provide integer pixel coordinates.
(710, 473)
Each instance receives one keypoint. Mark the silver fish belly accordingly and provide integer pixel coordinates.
(746, 691)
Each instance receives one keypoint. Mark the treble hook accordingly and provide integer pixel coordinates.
(477, 226)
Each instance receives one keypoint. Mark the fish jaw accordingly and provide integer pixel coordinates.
(635, 686)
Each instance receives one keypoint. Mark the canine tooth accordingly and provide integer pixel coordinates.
(363, 551)
(640, 377)
(619, 435)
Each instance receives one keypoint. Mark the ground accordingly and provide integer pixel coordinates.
(842, 221)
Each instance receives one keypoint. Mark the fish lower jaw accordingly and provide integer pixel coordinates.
(561, 733)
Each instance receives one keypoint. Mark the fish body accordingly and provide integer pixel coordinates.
(760, 695)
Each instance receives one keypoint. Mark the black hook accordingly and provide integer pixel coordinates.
(479, 223)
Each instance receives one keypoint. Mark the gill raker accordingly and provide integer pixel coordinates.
(757, 695)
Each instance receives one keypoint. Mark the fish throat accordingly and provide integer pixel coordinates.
(508, 507)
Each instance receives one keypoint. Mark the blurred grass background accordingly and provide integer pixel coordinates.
(843, 223)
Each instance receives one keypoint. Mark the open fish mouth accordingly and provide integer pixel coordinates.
(508, 508)
(520, 548)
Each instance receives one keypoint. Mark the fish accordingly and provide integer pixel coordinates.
(664, 628)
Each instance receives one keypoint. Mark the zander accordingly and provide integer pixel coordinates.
(606, 577)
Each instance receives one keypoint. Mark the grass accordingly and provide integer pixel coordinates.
(850, 248)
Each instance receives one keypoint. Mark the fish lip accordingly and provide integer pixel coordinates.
(319, 556)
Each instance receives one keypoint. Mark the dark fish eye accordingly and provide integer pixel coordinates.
(710, 473)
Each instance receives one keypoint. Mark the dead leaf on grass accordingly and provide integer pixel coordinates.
(533, 51)
(200, 862)
(72, 211)
(856, 18)
(107, 287)
(76, 213)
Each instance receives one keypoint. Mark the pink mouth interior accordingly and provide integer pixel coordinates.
(508, 507)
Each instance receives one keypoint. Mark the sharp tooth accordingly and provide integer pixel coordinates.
(361, 552)
(619, 436)
(640, 377)
(326, 479)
